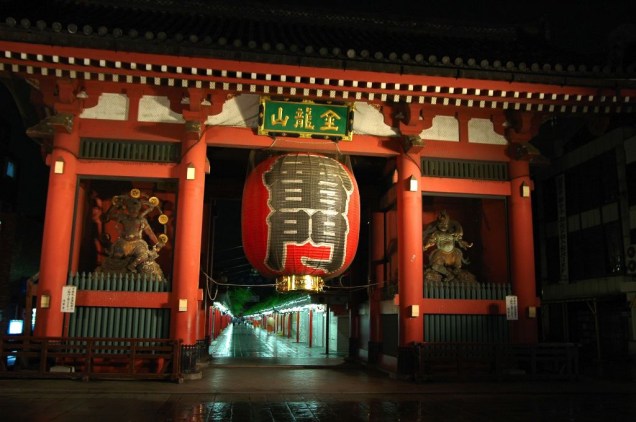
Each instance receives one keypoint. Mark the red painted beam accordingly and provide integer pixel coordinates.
(126, 169)
(464, 150)
(463, 306)
(122, 299)
(464, 186)
(235, 137)
(110, 129)
(239, 137)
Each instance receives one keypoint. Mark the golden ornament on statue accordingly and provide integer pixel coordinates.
(135, 193)
(162, 219)
(154, 201)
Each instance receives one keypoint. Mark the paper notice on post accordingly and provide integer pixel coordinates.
(68, 298)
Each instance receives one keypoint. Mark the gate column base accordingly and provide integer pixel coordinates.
(375, 350)
(193, 376)
(407, 361)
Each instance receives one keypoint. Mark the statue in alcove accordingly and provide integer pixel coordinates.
(445, 262)
(130, 253)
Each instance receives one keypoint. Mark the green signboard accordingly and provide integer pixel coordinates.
(305, 119)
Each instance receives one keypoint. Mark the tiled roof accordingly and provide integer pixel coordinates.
(254, 32)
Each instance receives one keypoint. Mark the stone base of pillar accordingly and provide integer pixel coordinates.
(375, 350)
(408, 364)
(193, 376)
(353, 347)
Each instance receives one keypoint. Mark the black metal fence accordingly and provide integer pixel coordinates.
(107, 321)
(495, 361)
(192, 355)
(466, 328)
(463, 290)
(123, 282)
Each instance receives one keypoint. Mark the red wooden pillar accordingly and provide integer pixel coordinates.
(218, 323)
(377, 272)
(80, 210)
(311, 327)
(410, 271)
(210, 323)
(522, 252)
(201, 318)
(354, 328)
(189, 220)
(58, 223)
(289, 325)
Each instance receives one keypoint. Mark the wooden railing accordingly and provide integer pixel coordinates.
(496, 361)
(87, 358)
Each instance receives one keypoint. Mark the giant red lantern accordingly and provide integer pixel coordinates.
(300, 219)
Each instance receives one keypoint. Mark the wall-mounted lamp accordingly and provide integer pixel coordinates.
(394, 178)
(524, 190)
(58, 166)
(45, 301)
(190, 172)
(414, 311)
(183, 305)
(413, 184)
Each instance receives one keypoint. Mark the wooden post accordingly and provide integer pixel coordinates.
(522, 252)
(377, 273)
(58, 225)
(311, 328)
(410, 255)
(187, 251)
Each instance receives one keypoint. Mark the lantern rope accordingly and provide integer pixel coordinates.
(207, 289)
(360, 287)
(218, 283)
(308, 142)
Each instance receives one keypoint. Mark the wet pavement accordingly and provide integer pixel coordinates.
(255, 376)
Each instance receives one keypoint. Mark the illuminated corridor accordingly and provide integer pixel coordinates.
(243, 343)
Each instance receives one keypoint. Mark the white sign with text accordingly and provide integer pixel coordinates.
(68, 298)
(512, 309)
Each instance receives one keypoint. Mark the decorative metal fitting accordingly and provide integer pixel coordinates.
(291, 283)
(193, 126)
